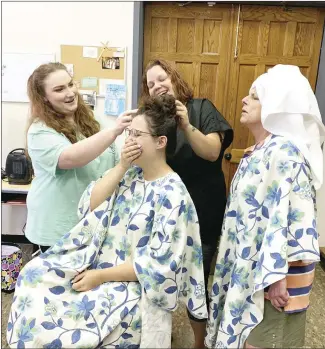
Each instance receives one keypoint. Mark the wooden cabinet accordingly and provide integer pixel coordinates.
(13, 211)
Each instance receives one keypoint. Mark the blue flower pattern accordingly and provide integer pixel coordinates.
(160, 237)
(264, 229)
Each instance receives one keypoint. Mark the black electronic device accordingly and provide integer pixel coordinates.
(19, 168)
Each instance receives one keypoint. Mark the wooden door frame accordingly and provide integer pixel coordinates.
(138, 49)
(320, 81)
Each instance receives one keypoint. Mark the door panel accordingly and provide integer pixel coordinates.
(268, 36)
(197, 39)
(220, 56)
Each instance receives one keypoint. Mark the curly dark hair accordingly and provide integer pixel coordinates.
(182, 90)
(160, 114)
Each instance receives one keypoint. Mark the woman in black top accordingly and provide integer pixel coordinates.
(201, 141)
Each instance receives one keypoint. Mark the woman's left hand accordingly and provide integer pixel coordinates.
(87, 280)
(181, 111)
(278, 294)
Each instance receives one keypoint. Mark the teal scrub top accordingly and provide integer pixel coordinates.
(53, 198)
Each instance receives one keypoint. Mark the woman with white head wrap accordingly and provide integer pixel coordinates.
(290, 109)
(269, 233)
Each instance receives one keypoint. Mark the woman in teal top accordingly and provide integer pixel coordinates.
(67, 150)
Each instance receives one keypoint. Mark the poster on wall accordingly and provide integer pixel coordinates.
(16, 69)
(115, 99)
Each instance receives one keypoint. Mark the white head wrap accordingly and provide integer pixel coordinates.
(290, 109)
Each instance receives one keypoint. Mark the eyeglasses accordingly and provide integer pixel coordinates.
(136, 133)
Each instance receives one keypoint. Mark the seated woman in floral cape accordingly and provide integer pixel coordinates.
(114, 279)
(269, 244)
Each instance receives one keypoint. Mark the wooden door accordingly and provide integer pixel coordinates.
(200, 41)
(195, 40)
(263, 37)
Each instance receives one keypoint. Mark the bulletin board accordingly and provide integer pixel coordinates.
(85, 67)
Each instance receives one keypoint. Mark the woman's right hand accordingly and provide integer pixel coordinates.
(124, 120)
(130, 151)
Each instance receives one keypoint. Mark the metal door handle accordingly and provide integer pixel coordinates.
(228, 156)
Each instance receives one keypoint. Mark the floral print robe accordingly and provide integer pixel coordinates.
(269, 222)
(154, 225)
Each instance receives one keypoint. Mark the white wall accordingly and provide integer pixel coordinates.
(41, 27)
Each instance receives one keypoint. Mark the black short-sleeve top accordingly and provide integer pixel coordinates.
(204, 179)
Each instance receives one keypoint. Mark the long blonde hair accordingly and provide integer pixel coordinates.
(84, 119)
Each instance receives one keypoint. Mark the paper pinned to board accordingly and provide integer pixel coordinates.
(89, 82)
(115, 99)
(118, 54)
(89, 52)
(89, 97)
(103, 85)
(111, 63)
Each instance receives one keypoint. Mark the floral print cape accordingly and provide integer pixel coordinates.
(154, 225)
(269, 222)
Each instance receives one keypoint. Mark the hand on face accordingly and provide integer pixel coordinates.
(181, 112)
(124, 120)
(130, 151)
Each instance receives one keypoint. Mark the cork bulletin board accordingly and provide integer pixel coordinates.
(91, 67)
